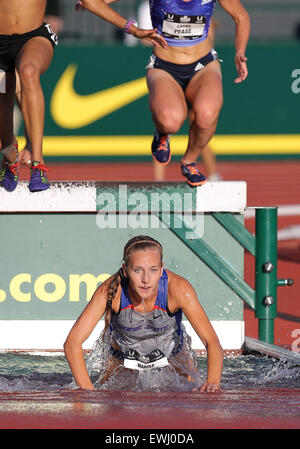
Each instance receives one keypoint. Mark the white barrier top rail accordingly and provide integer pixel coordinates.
(224, 196)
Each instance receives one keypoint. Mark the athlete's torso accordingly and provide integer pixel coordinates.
(21, 16)
(182, 23)
(144, 332)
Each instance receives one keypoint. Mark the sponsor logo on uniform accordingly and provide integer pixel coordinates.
(200, 19)
(53, 35)
(199, 66)
(185, 19)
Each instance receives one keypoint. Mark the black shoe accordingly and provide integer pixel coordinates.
(193, 175)
(160, 148)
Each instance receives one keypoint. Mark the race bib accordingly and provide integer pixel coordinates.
(134, 360)
(183, 27)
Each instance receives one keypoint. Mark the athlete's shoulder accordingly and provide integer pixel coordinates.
(176, 282)
(179, 290)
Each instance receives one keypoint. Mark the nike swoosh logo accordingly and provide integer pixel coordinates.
(71, 110)
(157, 316)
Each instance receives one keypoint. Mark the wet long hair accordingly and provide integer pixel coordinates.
(140, 242)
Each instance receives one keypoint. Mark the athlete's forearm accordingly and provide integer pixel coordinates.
(242, 33)
(74, 355)
(103, 10)
(242, 22)
(214, 362)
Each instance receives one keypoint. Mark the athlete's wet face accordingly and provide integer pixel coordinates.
(144, 268)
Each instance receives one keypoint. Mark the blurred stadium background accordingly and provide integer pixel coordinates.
(272, 20)
(259, 118)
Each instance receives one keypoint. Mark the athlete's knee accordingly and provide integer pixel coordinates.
(29, 74)
(206, 117)
(170, 121)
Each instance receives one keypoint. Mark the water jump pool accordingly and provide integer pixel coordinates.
(36, 392)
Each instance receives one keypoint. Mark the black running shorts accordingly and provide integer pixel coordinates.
(11, 44)
(182, 73)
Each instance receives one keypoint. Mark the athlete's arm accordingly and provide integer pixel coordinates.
(80, 332)
(181, 295)
(242, 31)
(101, 9)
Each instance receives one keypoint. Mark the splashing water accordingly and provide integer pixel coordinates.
(158, 380)
(50, 372)
(32, 372)
(248, 371)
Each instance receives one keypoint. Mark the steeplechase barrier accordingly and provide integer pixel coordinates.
(257, 346)
(58, 245)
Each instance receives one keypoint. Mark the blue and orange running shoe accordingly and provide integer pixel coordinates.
(193, 175)
(9, 172)
(38, 179)
(160, 148)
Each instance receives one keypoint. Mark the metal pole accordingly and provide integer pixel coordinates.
(266, 272)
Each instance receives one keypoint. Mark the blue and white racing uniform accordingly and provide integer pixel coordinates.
(182, 23)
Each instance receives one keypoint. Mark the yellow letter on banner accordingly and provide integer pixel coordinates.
(57, 294)
(91, 282)
(15, 287)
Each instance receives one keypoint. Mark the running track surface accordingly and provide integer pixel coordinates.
(269, 184)
(234, 409)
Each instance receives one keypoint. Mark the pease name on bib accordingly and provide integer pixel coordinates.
(183, 27)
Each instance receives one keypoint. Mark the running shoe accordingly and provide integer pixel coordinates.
(9, 172)
(161, 148)
(9, 175)
(38, 179)
(193, 175)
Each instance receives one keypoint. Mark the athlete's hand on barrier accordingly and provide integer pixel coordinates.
(24, 157)
(209, 387)
(149, 35)
(241, 66)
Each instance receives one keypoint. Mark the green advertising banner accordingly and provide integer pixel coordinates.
(97, 103)
(57, 260)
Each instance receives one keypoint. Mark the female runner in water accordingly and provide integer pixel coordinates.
(143, 305)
